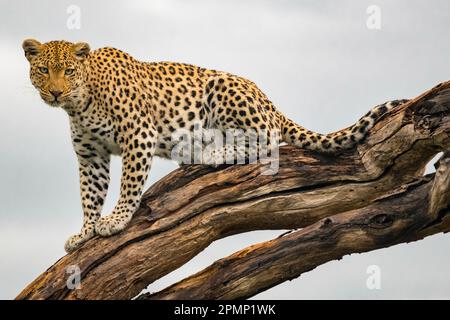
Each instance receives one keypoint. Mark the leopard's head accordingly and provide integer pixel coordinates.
(57, 69)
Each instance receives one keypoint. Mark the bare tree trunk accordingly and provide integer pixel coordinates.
(372, 197)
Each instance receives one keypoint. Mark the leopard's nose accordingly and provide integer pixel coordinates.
(56, 93)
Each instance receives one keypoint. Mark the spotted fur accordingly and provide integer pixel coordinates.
(118, 105)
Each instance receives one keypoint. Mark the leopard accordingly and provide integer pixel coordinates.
(120, 106)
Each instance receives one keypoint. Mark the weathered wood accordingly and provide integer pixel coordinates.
(402, 217)
(184, 212)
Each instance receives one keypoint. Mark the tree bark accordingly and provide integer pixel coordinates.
(371, 197)
(402, 217)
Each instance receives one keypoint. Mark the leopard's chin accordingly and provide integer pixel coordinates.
(54, 103)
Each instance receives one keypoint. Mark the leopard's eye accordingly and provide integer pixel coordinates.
(68, 72)
(43, 69)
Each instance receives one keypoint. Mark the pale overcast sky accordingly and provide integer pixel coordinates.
(316, 60)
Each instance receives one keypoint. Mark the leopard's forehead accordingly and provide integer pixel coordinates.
(57, 53)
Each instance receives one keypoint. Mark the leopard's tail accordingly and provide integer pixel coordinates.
(346, 138)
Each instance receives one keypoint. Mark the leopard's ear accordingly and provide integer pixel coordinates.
(81, 50)
(31, 48)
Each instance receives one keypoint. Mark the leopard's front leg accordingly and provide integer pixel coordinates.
(94, 162)
(137, 154)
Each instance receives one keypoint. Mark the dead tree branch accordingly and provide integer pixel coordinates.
(371, 197)
(402, 217)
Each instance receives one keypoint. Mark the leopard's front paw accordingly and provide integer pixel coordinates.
(109, 225)
(75, 241)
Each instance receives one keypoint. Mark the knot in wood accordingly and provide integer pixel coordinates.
(381, 221)
(326, 223)
(429, 122)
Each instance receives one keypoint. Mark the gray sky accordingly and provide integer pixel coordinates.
(316, 60)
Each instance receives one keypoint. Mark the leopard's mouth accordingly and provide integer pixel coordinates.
(52, 101)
